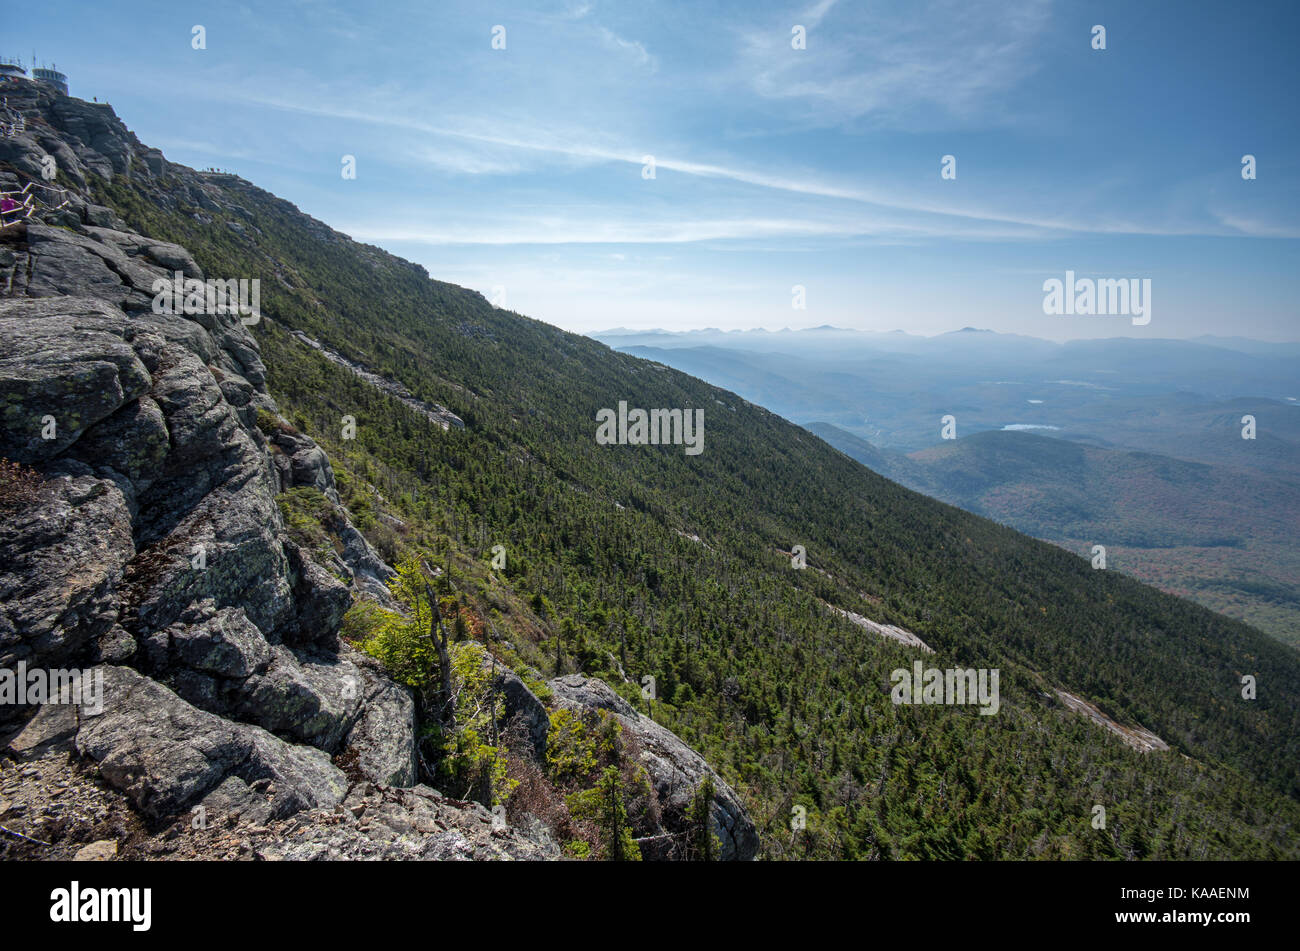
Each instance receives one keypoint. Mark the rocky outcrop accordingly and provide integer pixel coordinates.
(1140, 738)
(675, 769)
(156, 521)
(302, 462)
(152, 536)
(431, 411)
(415, 823)
(165, 754)
(55, 809)
(523, 710)
(145, 546)
(884, 630)
(61, 563)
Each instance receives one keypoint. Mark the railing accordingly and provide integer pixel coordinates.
(19, 205)
(11, 123)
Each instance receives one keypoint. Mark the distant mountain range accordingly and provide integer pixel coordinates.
(755, 338)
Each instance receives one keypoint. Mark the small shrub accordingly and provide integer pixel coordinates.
(604, 806)
(307, 516)
(270, 424)
(20, 486)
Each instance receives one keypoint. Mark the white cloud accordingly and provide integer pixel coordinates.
(634, 49)
(571, 144)
(616, 226)
(953, 57)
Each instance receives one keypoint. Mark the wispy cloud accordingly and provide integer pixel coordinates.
(620, 226)
(871, 63)
(635, 50)
(813, 16)
(774, 165)
(1256, 227)
(495, 152)
(576, 145)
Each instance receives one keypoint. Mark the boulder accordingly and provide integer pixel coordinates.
(133, 443)
(320, 601)
(336, 701)
(227, 644)
(62, 560)
(675, 769)
(522, 707)
(383, 739)
(165, 754)
(104, 850)
(60, 374)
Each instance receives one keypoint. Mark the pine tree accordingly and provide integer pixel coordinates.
(704, 845)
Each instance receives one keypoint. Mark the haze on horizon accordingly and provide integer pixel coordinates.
(523, 169)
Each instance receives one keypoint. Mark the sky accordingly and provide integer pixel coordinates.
(524, 171)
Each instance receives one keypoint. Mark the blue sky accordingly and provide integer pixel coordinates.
(522, 168)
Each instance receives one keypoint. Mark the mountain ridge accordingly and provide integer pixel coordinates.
(599, 577)
(212, 571)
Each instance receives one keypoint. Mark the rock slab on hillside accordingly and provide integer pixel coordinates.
(675, 769)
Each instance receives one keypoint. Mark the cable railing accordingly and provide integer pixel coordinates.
(21, 204)
(11, 123)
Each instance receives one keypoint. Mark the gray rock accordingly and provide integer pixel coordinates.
(234, 799)
(370, 572)
(117, 646)
(62, 561)
(523, 707)
(174, 258)
(320, 601)
(165, 754)
(311, 467)
(225, 645)
(156, 538)
(101, 216)
(104, 850)
(60, 374)
(580, 692)
(214, 496)
(412, 824)
(335, 701)
(675, 769)
(63, 262)
(154, 162)
(53, 727)
(308, 698)
(133, 442)
(383, 738)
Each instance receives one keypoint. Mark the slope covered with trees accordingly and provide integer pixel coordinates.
(628, 562)
(1223, 537)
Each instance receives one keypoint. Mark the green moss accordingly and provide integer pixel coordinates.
(270, 424)
(307, 515)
